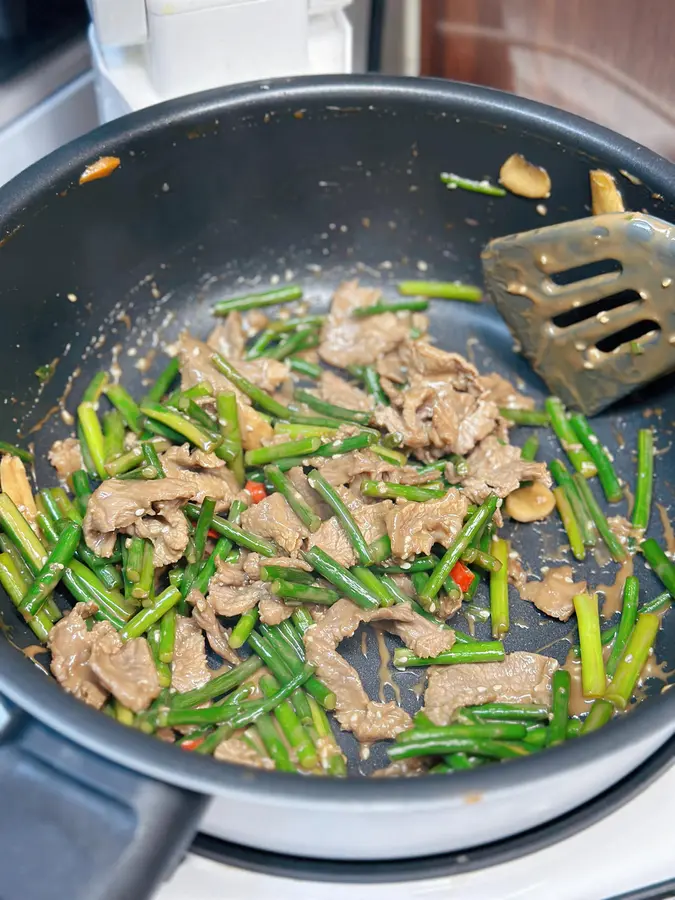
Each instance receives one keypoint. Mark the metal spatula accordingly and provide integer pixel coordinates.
(591, 302)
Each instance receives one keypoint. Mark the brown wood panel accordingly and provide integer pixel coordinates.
(608, 60)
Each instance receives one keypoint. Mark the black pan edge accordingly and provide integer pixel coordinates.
(25, 685)
(449, 864)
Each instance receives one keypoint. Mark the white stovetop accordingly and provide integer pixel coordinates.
(630, 849)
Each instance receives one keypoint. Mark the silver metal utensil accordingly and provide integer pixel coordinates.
(591, 303)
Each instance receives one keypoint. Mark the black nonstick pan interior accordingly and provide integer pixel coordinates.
(315, 189)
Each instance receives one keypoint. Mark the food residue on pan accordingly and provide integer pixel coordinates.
(103, 167)
(605, 195)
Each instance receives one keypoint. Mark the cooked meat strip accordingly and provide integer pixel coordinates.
(118, 505)
(347, 340)
(128, 672)
(273, 610)
(204, 615)
(415, 527)
(354, 710)
(409, 475)
(204, 473)
(444, 408)
(496, 468)
(230, 600)
(189, 669)
(273, 518)
(340, 393)
(228, 337)
(370, 517)
(167, 530)
(342, 469)
(503, 393)
(237, 750)
(520, 678)
(253, 561)
(66, 457)
(71, 643)
(554, 594)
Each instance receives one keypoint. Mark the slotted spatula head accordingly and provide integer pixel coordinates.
(591, 303)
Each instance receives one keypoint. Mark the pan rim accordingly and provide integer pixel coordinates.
(23, 684)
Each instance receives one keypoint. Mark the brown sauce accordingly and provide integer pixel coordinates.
(668, 533)
(613, 593)
(384, 673)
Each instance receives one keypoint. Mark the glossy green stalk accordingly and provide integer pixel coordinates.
(480, 651)
(592, 663)
(164, 381)
(499, 590)
(122, 400)
(389, 490)
(570, 523)
(343, 514)
(93, 435)
(257, 396)
(663, 568)
(16, 587)
(616, 549)
(586, 524)
(323, 407)
(285, 294)
(332, 571)
(263, 455)
(633, 659)
(442, 290)
(591, 443)
(532, 417)
(569, 441)
(218, 686)
(561, 684)
(140, 623)
(599, 714)
(290, 724)
(304, 593)
(119, 465)
(237, 535)
(52, 571)
(293, 497)
(426, 746)
(228, 422)
(629, 607)
(483, 186)
(530, 448)
(24, 455)
(179, 423)
(303, 367)
(394, 306)
(242, 630)
(644, 480)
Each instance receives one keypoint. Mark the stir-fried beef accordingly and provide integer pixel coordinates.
(554, 594)
(129, 672)
(496, 468)
(233, 600)
(204, 473)
(341, 393)
(520, 678)
(273, 518)
(91, 665)
(343, 469)
(129, 507)
(349, 341)
(189, 669)
(415, 527)
(66, 457)
(355, 711)
(71, 644)
(503, 393)
(273, 610)
(205, 616)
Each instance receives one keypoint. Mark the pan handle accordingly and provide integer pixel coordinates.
(75, 825)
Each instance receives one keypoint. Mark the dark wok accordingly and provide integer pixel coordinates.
(340, 174)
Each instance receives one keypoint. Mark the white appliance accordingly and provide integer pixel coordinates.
(146, 51)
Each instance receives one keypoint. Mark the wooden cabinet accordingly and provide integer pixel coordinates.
(611, 61)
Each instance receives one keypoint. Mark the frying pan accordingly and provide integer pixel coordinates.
(328, 178)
